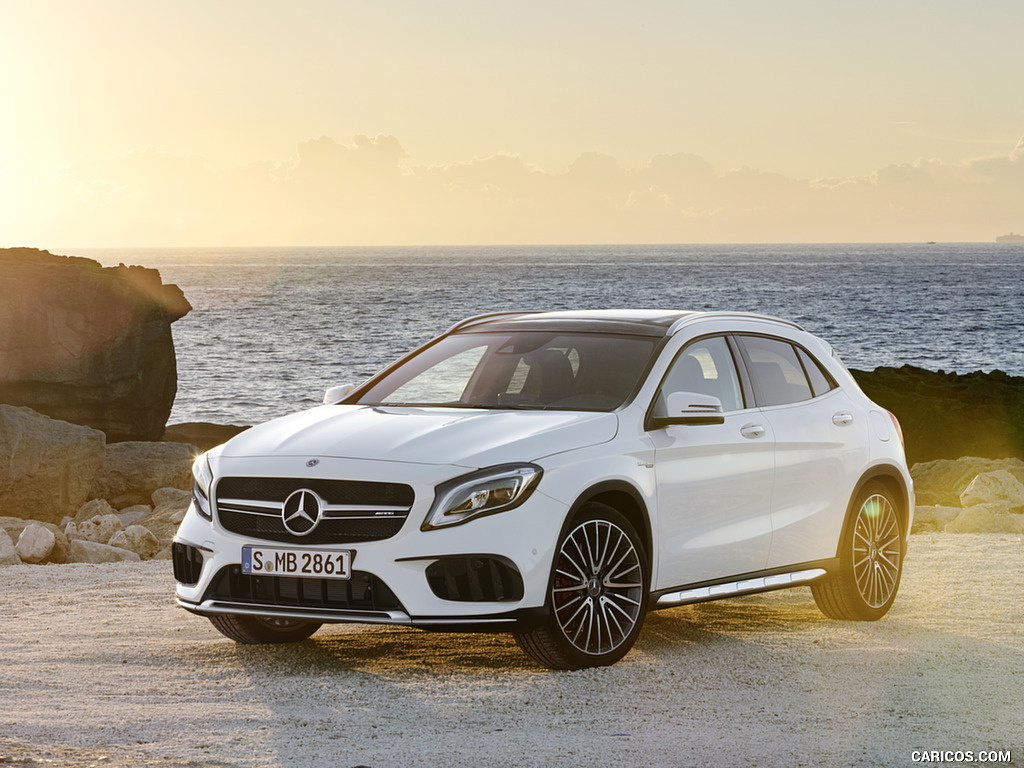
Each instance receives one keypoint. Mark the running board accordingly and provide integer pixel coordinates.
(731, 589)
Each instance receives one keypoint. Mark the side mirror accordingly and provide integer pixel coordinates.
(688, 408)
(337, 394)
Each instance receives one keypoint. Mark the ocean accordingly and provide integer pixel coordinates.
(271, 328)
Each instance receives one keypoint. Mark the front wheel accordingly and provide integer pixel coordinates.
(258, 630)
(870, 560)
(597, 595)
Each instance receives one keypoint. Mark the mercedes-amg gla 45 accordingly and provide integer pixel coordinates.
(556, 475)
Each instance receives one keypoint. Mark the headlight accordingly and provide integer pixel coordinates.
(202, 479)
(486, 492)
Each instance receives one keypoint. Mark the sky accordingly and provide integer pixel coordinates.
(333, 122)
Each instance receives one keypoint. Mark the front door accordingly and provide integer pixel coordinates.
(714, 481)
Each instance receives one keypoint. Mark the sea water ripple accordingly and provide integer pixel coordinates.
(272, 327)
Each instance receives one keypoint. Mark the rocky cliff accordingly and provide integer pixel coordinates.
(949, 415)
(87, 344)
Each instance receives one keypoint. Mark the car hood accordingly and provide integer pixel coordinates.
(470, 438)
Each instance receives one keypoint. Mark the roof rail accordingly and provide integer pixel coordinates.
(739, 315)
(488, 316)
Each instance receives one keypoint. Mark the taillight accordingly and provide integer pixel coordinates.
(899, 429)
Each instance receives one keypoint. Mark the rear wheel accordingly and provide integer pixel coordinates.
(597, 594)
(871, 561)
(255, 630)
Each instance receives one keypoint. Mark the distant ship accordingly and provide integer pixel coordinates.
(1010, 238)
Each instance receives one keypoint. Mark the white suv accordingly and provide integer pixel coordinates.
(556, 475)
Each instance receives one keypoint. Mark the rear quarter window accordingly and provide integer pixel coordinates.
(820, 381)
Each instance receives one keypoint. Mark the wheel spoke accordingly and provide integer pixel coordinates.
(615, 568)
(582, 573)
(589, 557)
(600, 620)
(882, 557)
(620, 609)
(611, 616)
(590, 623)
(603, 558)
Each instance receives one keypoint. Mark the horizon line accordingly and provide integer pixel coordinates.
(737, 243)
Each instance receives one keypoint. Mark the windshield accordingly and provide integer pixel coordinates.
(523, 369)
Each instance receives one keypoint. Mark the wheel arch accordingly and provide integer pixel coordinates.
(894, 481)
(628, 501)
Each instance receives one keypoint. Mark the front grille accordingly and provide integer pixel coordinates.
(362, 592)
(475, 579)
(353, 511)
(188, 563)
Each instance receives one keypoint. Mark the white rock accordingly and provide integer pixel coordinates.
(172, 505)
(942, 481)
(131, 471)
(999, 487)
(136, 539)
(15, 526)
(986, 518)
(933, 518)
(46, 466)
(91, 509)
(8, 554)
(175, 496)
(98, 529)
(35, 543)
(132, 515)
(83, 551)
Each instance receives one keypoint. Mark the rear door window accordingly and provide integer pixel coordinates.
(775, 371)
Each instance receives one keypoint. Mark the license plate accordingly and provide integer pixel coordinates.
(301, 563)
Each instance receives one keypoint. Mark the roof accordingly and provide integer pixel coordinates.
(641, 322)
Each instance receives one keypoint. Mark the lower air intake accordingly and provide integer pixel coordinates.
(475, 580)
(188, 563)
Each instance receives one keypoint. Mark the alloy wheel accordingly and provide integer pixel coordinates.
(876, 551)
(597, 591)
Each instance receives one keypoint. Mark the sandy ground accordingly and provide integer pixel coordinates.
(100, 668)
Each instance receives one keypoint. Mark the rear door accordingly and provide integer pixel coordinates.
(820, 441)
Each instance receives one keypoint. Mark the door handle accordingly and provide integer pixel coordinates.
(752, 431)
(842, 419)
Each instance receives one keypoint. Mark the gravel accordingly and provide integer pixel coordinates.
(99, 668)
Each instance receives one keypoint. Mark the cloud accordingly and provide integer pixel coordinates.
(368, 192)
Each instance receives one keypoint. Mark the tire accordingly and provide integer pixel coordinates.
(257, 630)
(870, 560)
(597, 594)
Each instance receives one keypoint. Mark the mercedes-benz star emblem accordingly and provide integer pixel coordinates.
(301, 512)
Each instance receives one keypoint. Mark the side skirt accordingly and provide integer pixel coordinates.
(747, 584)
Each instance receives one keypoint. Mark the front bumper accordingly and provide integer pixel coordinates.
(459, 577)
